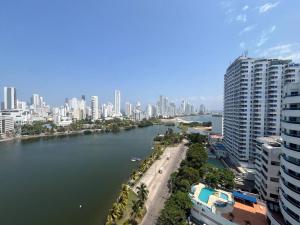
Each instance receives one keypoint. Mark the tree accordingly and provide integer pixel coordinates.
(183, 185)
(136, 209)
(212, 179)
(189, 173)
(226, 178)
(142, 192)
(196, 156)
(115, 211)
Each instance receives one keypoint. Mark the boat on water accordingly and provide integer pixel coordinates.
(134, 159)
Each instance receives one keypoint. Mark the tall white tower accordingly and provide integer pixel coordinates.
(117, 103)
(10, 98)
(95, 107)
(289, 192)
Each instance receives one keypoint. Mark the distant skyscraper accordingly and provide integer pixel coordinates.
(35, 100)
(163, 105)
(118, 103)
(10, 98)
(95, 107)
(149, 111)
(128, 109)
(202, 109)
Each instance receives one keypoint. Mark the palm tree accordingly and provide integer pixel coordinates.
(109, 220)
(136, 209)
(115, 211)
(142, 192)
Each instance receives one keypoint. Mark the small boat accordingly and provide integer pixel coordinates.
(134, 159)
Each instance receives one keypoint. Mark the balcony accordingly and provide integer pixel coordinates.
(292, 218)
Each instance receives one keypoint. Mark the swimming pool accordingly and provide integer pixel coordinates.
(224, 196)
(205, 193)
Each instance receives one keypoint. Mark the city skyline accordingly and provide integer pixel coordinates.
(143, 49)
(31, 100)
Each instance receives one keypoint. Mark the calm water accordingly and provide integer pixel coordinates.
(216, 162)
(43, 182)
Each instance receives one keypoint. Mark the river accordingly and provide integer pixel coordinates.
(43, 181)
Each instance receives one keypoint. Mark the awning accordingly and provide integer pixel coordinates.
(242, 196)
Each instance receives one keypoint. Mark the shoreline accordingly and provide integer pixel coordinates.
(63, 134)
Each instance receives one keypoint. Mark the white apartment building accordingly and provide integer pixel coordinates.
(6, 124)
(117, 103)
(128, 109)
(252, 103)
(149, 111)
(95, 107)
(292, 73)
(289, 193)
(267, 164)
(217, 124)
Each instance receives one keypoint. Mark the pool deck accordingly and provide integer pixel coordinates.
(213, 198)
(235, 211)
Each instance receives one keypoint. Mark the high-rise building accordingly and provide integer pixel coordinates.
(202, 109)
(10, 98)
(128, 109)
(149, 111)
(6, 124)
(217, 124)
(95, 107)
(289, 192)
(267, 164)
(117, 103)
(252, 102)
(36, 100)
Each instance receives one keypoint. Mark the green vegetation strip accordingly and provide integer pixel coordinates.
(193, 169)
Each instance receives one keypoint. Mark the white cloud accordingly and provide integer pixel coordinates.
(265, 35)
(266, 7)
(247, 29)
(283, 51)
(241, 18)
(263, 39)
(273, 28)
(246, 7)
(229, 11)
(226, 4)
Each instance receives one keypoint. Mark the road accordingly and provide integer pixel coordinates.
(157, 183)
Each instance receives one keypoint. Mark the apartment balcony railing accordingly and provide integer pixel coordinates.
(291, 135)
(297, 149)
(294, 108)
(291, 161)
(297, 177)
(289, 213)
(288, 121)
(290, 186)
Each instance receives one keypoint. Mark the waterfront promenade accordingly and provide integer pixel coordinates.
(157, 183)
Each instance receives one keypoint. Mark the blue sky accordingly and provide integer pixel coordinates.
(178, 48)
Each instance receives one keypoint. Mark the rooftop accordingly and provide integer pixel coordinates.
(223, 204)
(254, 213)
